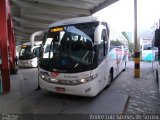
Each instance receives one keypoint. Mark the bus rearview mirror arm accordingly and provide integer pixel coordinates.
(32, 38)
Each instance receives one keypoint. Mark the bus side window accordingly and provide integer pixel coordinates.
(37, 52)
(104, 38)
(103, 46)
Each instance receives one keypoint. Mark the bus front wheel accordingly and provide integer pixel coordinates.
(125, 67)
(110, 78)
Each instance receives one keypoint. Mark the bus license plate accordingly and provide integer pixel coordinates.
(60, 89)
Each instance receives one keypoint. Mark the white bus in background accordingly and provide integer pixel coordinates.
(148, 52)
(29, 56)
(156, 60)
(79, 58)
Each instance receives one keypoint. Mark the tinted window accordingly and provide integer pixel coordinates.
(69, 47)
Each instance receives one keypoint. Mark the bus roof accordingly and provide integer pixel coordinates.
(75, 21)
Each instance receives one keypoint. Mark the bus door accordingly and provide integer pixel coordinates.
(102, 57)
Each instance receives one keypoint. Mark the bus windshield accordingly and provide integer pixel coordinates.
(25, 53)
(69, 48)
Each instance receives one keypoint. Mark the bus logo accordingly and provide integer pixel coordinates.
(54, 74)
(64, 62)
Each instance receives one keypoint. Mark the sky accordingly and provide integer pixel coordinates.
(121, 14)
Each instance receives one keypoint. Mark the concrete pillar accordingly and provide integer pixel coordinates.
(136, 45)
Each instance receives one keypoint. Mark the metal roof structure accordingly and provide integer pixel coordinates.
(33, 15)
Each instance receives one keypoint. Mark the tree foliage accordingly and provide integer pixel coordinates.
(130, 44)
(125, 35)
(116, 43)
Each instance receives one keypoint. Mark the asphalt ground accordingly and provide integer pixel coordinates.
(144, 97)
(126, 95)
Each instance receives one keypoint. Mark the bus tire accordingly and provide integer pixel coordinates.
(157, 80)
(124, 67)
(152, 67)
(110, 77)
(14, 71)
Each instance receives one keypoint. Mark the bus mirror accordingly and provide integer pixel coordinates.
(32, 38)
(98, 33)
(157, 38)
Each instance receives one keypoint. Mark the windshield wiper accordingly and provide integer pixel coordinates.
(82, 60)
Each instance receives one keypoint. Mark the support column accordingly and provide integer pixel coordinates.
(136, 45)
(4, 46)
(11, 38)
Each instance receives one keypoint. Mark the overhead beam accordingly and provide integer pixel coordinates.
(29, 22)
(45, 16)
(20, 29)
(21, 40)
(66, 3)
(40, 17)
(33, 26)
(29, 27)
(103, 5)
(52, 8)
(26, 26)
(22, 34)
(20, 37)
(45, 12)
(94, 2)
(15, 10)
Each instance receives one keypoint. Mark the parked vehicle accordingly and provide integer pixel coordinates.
(147, 52)
(156, 53)
(29, 56)
(79, 58)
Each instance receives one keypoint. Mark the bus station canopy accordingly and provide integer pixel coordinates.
(33, 15)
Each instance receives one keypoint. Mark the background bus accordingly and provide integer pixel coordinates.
(28, 56)
(147, 52)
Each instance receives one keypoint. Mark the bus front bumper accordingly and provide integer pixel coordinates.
(27, 63)
(87, 89)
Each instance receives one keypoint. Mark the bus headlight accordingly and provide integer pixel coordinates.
(84, 80)
(42, 76)
(45, 77)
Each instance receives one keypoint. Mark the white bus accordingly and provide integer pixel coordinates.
(29, 56)
(79, 58)
(147, 52)
(156, 54)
